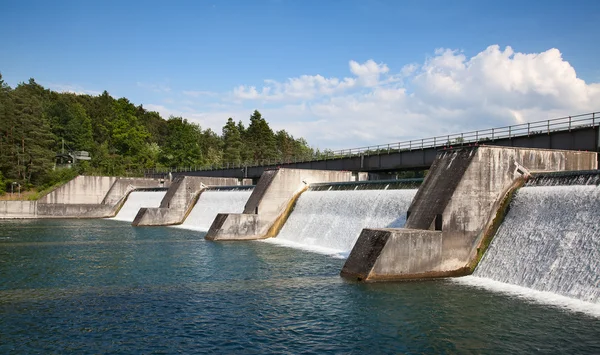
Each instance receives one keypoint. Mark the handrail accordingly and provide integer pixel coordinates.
(449, 140)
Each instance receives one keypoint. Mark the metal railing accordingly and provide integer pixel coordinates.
(484, 136)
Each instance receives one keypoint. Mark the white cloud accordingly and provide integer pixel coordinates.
(369, 72)
(159, 88)
(72, 88)
(446, 93)
(192, 93)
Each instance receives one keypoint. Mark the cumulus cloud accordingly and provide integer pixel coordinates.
(448, 92)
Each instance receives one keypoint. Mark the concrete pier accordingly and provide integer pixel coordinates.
(455, 209)
(270, 203)
(180, 199)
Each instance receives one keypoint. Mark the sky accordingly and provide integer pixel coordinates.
(341, 74)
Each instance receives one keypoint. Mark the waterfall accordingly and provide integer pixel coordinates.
(212, 202)
(331, 221)
(137, 200)
(549, 242)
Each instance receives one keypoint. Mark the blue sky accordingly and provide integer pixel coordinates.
(340, 73)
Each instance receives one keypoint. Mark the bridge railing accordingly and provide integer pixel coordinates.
(483, 136)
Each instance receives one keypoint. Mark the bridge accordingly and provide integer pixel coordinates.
(571, 133)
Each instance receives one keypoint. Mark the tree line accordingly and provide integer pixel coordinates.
(35, 124)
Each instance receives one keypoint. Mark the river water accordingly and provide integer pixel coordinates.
(102, 286)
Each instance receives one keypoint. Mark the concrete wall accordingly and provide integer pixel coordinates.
(273, 195)
(82, 189)
(455, 206)
(82, 197)
(74, 210)
(123, 186)
(179, 200)
(18, 209)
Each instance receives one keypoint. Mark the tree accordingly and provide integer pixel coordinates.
(32, 137)
(182, 144)
(128, 136)
(232, 142)
(2, 184)
(120, 136)
(70, 121)
(7, 124)
(212, 148)
(302, 151)
(260, 139)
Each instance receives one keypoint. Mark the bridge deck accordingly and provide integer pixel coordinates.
(569, 133)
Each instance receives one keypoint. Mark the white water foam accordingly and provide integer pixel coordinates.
(137, 200)
(549, 244)
(330, 222)
(212, 203)
(541, 297)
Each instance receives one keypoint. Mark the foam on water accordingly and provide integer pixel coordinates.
(548, 244)
(547, 298)
(212, 203)
(330, 222)
(137, 200)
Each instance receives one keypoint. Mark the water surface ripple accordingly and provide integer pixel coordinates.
(103, 286)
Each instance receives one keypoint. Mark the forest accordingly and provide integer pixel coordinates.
(122, 139)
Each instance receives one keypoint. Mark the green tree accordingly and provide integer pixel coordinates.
(71, 122)
(7, 124)
(285, 145)
(232, 142)
(182, 144)
(2, 184)
(32, 133)
(212, 148)
(260, 139)
(128, 136)
(302, 151)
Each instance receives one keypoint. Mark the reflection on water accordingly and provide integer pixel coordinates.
(102, 286)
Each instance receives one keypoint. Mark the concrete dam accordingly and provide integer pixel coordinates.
(500, 214)
(549, 242)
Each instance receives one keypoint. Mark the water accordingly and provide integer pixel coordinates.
(331, 221)
(100, 286)
(549, 244)
(137, 200)
(211, 203)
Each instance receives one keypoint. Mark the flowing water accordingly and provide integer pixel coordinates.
(549, 244)
(212, 203)
(101, 286)
(137, 200)
(331, 221)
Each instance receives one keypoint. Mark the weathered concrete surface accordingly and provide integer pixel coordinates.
(123, 186)
(179, 200)
(18, 209)
(266, 208)
(81, 210)
(82, 189)
(458, 200)
(82, 197)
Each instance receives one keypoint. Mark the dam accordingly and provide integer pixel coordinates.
(197, 253)
(549, 244)
(213, 202)
(136, 200)
(330, 221)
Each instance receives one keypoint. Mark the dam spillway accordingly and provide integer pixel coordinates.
(137, 200)
(549, 242)
(331, 221)
(212, 202)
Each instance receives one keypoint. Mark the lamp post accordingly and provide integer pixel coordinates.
(12, 188)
